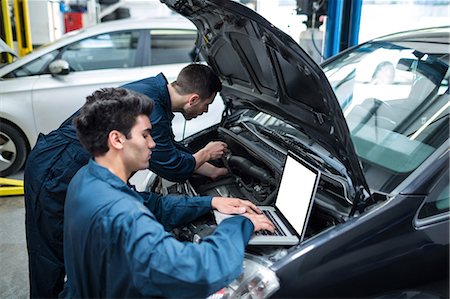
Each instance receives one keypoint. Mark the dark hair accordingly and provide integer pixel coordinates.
(109, 109)
(197, 78)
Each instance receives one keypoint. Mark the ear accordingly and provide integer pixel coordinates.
(115, 139)
(193, 99)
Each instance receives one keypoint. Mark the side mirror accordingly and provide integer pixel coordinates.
(59, 67)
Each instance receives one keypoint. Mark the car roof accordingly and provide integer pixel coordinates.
(175, 22)
(434, 40)
(434, 34)
(159, 22)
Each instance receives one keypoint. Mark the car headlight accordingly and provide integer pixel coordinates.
(256, 281)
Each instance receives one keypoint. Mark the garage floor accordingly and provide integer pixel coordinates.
(13, 248)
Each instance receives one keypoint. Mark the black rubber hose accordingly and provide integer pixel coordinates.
(251, 169)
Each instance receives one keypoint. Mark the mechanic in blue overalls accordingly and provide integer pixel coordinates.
(116, 243)
(58, 155)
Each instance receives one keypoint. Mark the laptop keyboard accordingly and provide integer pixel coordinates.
(278, 231)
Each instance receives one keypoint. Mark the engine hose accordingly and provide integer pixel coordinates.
(257, 199)
(251, 169)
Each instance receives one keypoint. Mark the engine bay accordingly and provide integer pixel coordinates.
(255, 165)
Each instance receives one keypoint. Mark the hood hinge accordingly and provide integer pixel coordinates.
(226, 111)
(319, 117)
(361, 201)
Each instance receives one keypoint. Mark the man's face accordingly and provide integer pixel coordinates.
(138, 148)
(197, 107)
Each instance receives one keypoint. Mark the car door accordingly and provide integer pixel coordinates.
(112, 59)
(104, 60)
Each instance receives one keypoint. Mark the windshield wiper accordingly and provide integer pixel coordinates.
(315, 157)
(292, 142)
(434, 121)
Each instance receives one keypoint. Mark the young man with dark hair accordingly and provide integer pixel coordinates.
(116, 243)
(193, 91)
(57, 156)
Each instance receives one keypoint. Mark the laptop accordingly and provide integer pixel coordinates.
(293, 205)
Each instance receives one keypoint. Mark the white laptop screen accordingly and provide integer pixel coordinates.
(297, 186)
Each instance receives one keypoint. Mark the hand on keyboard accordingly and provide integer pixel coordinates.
(264, 233)
(260, 222)
(234, 206)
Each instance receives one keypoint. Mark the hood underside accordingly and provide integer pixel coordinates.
(263, 67)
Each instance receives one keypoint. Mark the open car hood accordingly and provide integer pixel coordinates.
(262, 66)
(4, 48)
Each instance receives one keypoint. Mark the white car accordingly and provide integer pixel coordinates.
(40, 90)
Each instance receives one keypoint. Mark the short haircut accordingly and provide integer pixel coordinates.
(106, 110)
(197, 78)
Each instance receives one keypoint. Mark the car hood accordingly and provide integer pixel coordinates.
(4, 48)
(263, 67)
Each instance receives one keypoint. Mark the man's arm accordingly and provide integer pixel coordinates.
(178, 165)
(162, 266)
(212, 151)
(182, 264)
(211, 171)
(167, 160)
(174, 210)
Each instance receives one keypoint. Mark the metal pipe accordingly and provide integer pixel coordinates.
(355, 20)
(23, 28)
(6, 31)
(333, 28)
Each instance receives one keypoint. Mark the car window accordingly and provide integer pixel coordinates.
(172, 46)
(36, 67)
(438, 201)
(104, 51)
(395, 100)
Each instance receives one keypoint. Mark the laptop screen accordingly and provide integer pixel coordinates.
(297, 188)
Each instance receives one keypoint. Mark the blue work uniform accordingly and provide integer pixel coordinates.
(50, 166)
(170, 160)
(116, 243)
(53, 162)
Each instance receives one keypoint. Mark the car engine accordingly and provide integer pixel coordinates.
(255, 164)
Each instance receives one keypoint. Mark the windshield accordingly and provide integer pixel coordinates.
(395, 99)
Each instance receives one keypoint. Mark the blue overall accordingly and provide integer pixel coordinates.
(169, 159)
(116, 243)
(51, 165)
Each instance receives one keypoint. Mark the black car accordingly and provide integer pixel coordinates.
(379, 223)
